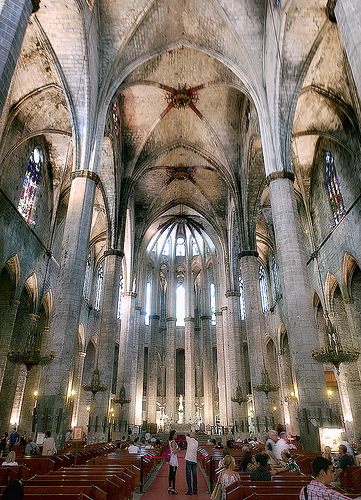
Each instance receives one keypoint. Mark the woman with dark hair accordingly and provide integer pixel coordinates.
(13, 491)
(3, 443)
(173, 462)
(246, 465)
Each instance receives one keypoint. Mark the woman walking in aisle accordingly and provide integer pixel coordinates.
(173, 462)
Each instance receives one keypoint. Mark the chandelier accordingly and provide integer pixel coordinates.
(122, 399)
(95, 385)
(334, 353)
(238, 398)
(265, 385)
(30, 356)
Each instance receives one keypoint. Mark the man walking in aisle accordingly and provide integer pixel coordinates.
(191, 463)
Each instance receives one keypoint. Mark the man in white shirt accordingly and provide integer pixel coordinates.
(281, 445)
(132, 448)
(191, 463)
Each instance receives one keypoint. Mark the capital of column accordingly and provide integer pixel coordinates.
(224, 308)
(170, 318)
(248, 253)
(154, 316)
(206, 317)
(88, 174)
(233, 293)
(129, 294)
(218, 313)
(81, 354)
(138, 308)
(283, 174)
(113, 251)
(189, 319)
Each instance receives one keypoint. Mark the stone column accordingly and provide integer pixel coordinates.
(134, 369)
(64, 323)
(14, 19)
(171, 408)
(289, 402)
(190, 376)
(348, 17)
(255, 329)
(152, 368)
(140, 370)
(235, 359)
(78, 376)
(222, 396)
(228, 385)
(8, 314)
(207, 369)
(124, 377)
(297, 307)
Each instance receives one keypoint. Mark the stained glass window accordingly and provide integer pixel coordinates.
(86, 286)
(262, 285)
(120, 299)
(166, 248)
(181, 247)
(241, 298)
(333, 188)
(147, 303)
(275, 276)
(181, 305)
(98, 288)
(115, 115)
(195, 249)
(30, 185)
(212, 290)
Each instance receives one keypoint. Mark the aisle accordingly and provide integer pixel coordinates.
(158, 489)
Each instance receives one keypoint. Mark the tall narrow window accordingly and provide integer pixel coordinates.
(30, 185)
(180, 247)
(147, 303)
(181, 305)
(241, 298)
(115, 116)
(262, 285)
(120, 299)
(166, 248)
(333, 187)
(86, 286)
(275, 277)
(98, 288)
(195, 249)
(212, 290)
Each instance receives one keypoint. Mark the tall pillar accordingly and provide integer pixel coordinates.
(134, 370)
(14, 19)
(228, 384)
(152, 368)
(297, 307)
(140, 371)
(255, 329)
(235, 359)
(207, 369)
(64, 323)
(222, 396)
(190, 376)
(170, 369)
(78, 376)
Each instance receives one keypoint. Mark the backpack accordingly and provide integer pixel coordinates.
(167, 454)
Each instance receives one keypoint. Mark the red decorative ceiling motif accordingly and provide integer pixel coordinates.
(181, 98)
(181, 172)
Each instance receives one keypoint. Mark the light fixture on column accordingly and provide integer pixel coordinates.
(265, 385)
(333, 352)
(30, 356)
(122, 399)
(238, 398)
(291, 397)
(95, 385)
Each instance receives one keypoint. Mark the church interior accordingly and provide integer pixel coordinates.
(180, 215)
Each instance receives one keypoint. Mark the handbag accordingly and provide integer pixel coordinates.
(167, 454)
(217, 492)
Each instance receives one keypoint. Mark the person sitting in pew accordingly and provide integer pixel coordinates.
(31, 448)
(288, 464)
(132, 448)
(14, 490)
(261, 473)
(318, 489)
(10, 459)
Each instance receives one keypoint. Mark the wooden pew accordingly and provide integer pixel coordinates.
(91, 491)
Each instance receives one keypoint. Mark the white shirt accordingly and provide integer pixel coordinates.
(133, 449)
(279, 447)
(192, 448)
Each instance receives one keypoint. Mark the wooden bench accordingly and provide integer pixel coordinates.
(91, 491)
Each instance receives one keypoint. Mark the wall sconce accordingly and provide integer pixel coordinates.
(88, 408)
